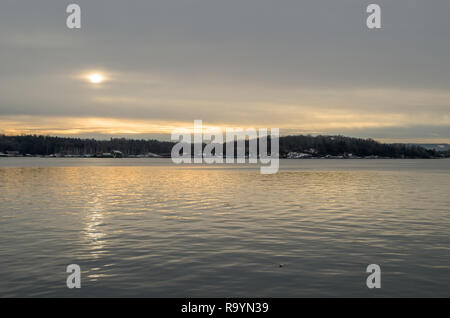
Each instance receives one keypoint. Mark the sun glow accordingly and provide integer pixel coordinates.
(96, 78)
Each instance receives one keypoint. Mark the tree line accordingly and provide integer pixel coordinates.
(46, 145)
(314, 145)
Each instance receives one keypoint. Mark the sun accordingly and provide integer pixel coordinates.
(96, 78)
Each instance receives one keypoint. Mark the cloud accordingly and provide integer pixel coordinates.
(308, 66)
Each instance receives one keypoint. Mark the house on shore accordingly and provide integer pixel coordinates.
(117, 154)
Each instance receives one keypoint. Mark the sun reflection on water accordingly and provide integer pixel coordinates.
(93, 221)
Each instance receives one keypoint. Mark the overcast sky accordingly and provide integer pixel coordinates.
(305, 66)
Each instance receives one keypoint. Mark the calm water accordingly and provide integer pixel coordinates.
(144, 227)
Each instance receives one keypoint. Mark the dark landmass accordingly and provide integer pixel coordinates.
(290, 147)
(437, 147)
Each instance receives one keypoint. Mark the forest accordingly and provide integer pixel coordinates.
(313, 146)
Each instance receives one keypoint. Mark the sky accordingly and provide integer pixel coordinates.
(306, 67)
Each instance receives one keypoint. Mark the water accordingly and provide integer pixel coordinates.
(147, 228)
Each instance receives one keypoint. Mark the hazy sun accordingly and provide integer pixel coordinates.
(95, 78)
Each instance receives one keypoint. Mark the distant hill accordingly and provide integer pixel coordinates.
(290, 146)
(343, 146)
(437, 147)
